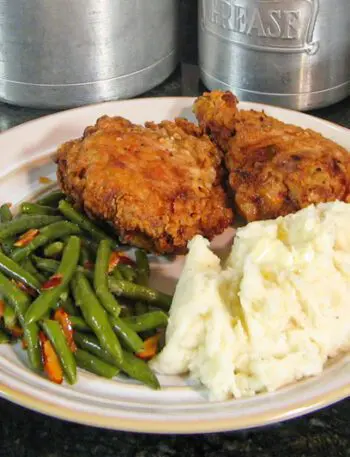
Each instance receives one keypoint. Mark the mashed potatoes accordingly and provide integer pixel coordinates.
(276, 311)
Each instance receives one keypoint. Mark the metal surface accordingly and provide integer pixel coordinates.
(65, 53)
(291, 53)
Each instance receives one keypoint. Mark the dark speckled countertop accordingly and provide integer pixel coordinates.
(24, 433)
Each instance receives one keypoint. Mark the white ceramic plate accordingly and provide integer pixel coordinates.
(26, 155)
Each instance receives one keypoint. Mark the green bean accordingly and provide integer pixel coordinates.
(126, 334)
(6, 216)
(31, 337)
(7, 245)
(141, 308)
(88, 273)
(49, 297)
(84, 222)
(24, 223)
(34, 208)
(4, 338)
(131, 365)
(5, 213)
(51, 266)
(48, 233)
(18, 299)
(147, 321)
(117, 274)
(20, 302)
(16, 271)
(92, 363)
(54, 249)
(51, 199)
(138, 292)
(27, 264)
(46, 265)
(96, 316)
(55, 334)
(65, 302)
(88, 248)
(64, 295)
(78, 323)
(127, 272)
(69, 307)
(46, 316)
(10, 317)
(90, 245)
(101, 279)
(85, 256)
(143, 270)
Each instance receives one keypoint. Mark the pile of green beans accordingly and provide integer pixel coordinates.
(66, 264)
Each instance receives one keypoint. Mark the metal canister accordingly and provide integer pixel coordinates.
(291, 53)
(72, 52)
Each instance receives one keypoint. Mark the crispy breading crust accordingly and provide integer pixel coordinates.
(158, 185)
(274, 168)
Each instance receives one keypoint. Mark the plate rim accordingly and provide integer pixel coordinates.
(258, 105)
(175, 426)
(172, 425)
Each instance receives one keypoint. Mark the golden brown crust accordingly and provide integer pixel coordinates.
(159, 185)
(275, 168)
(216, 113)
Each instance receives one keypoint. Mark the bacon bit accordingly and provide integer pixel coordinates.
(51, 363)
(88, 265)
(45, 180)
(26, 238)
(117, 257)
(24, 344)
(52, 282)
(2, 308)
(126, 260)
(63, 318)
(16, 331)
(150, 348)
(25, 288)
(113, 261)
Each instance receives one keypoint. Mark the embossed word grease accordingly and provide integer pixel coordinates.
(275, 23)
(265, 24)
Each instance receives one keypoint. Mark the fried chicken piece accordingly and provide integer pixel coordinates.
(157, 185)
(274, 168)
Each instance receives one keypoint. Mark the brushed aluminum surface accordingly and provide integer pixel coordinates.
(291, 53)
(67, 53)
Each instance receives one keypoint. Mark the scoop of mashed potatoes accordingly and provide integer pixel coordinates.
(273, 314)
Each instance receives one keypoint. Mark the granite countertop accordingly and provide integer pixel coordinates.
(24, 433)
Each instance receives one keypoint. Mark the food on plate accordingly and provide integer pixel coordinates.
(276, 311)
(157, 185)
(73, 298)
(274, 168)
